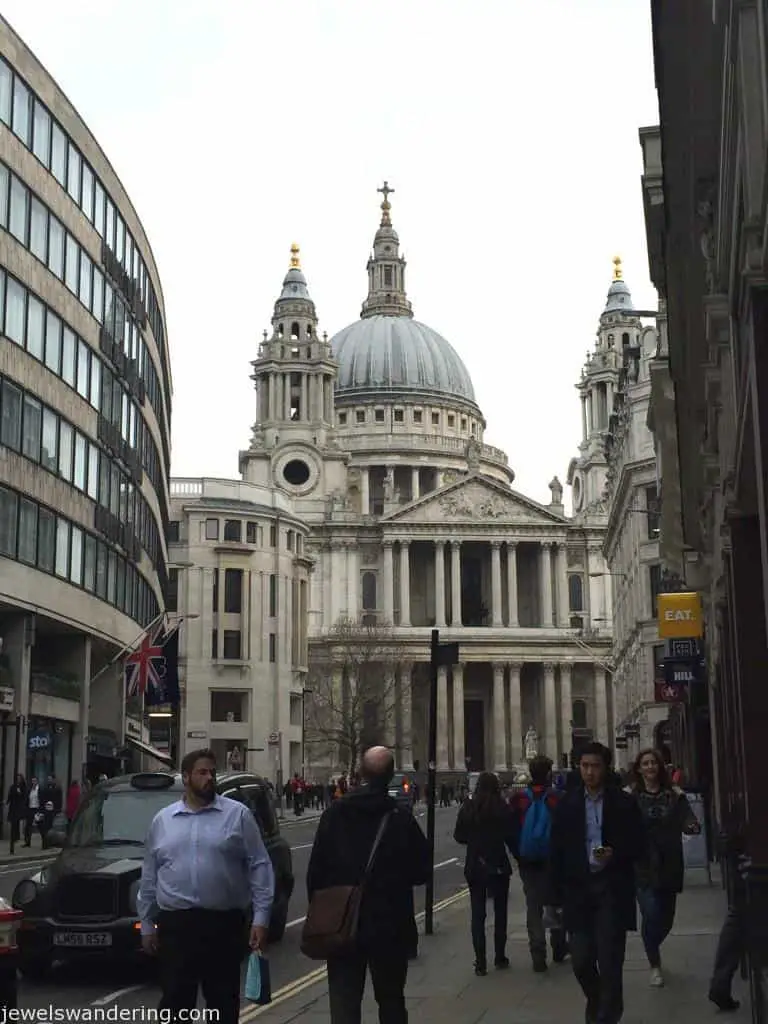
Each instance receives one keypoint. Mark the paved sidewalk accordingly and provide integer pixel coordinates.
(442, 988)
(33, 852)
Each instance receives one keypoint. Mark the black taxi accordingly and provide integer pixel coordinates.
(84, 901)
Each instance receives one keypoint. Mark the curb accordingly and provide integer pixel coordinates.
(6, 859)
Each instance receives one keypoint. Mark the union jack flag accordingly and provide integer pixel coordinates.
(151, 671)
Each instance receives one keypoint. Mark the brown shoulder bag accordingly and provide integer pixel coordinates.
(330, 928)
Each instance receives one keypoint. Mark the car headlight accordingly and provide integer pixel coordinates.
(25, 893)
(133, 897)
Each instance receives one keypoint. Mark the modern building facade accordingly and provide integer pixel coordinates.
(708, 258)
(85, 408)
(377, 441)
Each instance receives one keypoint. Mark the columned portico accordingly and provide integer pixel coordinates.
(545, 585)
(442, 719)
(499, 720)
(389, 582)
(440, 584)
(516, 751)
(455, 583)
(550, 711)
(561, 586)
(496, 606)
(512, 617)
(459, 755)
(406, 719)
(566, 706)
(405, 583)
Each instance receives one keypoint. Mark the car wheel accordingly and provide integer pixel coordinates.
(278, 921)
(35, 968)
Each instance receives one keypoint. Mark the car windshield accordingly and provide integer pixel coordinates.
(114, 816)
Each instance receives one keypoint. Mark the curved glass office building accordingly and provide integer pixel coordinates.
(85, 412)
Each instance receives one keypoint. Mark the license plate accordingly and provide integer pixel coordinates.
(82, 939)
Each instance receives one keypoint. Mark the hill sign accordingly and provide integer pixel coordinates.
(680, 616)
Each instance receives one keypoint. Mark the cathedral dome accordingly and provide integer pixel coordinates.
(381, 353)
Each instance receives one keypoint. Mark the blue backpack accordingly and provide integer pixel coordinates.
(537, 827)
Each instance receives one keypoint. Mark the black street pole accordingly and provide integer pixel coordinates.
(429, 896)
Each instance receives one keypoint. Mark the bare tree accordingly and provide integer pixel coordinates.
(352, 677)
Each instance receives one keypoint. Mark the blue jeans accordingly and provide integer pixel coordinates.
(657, 909)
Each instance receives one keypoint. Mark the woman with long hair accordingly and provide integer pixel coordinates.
(667, 816)
(486, 826)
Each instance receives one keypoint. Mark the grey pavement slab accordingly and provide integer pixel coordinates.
(442, 988)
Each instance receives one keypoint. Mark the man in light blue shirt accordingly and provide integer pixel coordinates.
(597, 855)
(206, 875)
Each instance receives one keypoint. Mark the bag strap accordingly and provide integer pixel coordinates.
(376, 842)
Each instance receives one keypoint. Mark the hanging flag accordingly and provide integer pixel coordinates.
(152, 671)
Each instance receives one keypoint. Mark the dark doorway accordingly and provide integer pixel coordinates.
(474, 735)
(474, 611)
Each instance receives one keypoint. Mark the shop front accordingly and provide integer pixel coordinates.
(49, 750)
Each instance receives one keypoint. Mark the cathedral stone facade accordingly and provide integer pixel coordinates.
(368, 456)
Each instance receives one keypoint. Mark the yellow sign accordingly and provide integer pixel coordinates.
(680, 616)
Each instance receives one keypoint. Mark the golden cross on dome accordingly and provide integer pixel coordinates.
(618, 274)
(386, 191)
(295, 261)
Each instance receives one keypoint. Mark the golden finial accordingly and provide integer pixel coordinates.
(295, 261)
(386, 206)
(618, 274)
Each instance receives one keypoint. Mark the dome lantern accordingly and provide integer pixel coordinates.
(386, 268)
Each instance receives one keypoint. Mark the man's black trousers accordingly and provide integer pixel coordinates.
(346, 984)
(597, 953)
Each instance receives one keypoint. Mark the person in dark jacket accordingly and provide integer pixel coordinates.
(386, 933)
(17, 809)
(597, 836)
(486, 826)
(667, 815)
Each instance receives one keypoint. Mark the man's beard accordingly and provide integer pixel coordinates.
(205, 794)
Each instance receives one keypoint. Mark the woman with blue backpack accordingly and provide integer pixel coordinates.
(486, 827)
(533, 808)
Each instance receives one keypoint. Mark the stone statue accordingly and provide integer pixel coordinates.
(531, 743)
(473, 454)
(557, 491)
(389, 485)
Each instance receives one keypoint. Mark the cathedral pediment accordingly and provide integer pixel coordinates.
(475, 499)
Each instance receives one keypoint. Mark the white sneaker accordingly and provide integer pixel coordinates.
(657, 978)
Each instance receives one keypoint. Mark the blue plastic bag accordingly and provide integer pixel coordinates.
(257, 984)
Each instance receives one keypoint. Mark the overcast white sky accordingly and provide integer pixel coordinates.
(508, 128)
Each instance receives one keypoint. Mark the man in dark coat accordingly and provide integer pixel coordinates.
(597, 835)
(386, 934)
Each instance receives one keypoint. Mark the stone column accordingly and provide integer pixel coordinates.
(601, 706)
(304, 399)
(415, 484)
(584, 416)
(496, 610)
(516, 751)
(561, 582)
(269, 412)
(353, 581)
(405, 583)
(440, 584)
(365, 492)
(545, 588)
(459, 754)
(455, 583)
(406, 720)
(287, 395)
(566, 706)
(499, 720)
(550, 712)
(18, 641)
(442, 718)
(82, 665)
(389, 583)
(512, 583)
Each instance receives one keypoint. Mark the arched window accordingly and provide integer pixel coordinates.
(369, 591)
(309, 330)
(575, 593)
(610, 341)
(280, 330)
(625, 339)
(579, 714)
(294, 331)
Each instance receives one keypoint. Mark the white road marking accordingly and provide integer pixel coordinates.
(110, 997)
(27, 865)
(445, 863)
(304, 846)
(299, 920)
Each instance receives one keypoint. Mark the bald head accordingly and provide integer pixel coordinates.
(378, 766)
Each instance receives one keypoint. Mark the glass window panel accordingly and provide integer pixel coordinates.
(10, 421)
(97, 299)
(109, 230)
(4, 185)
(9, 508)
(35, 327)
(72, 265)
(62, 548)
(120, 239)
(83, 359)
(46, 540)
(66, 445)
(6, 92)
(15, 311)
(86, 277)
(101, 570)
(104, 480)
(22, 112)
(50, 448)
(106, 394)
(89, 567)
(95, 390)
(112, 577)
(17, 218)
(73, 173)
(87, 199)
(114, 490)
(98, 208)
(41, 143)
(32, 428)
(56, 248)
(68, 356)
(81, 461)
(93, 471)
(76, 561)
(27, 531)
(38, 230)
(124, 418)
(53, 342)
(59, 155)
(120, 585)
